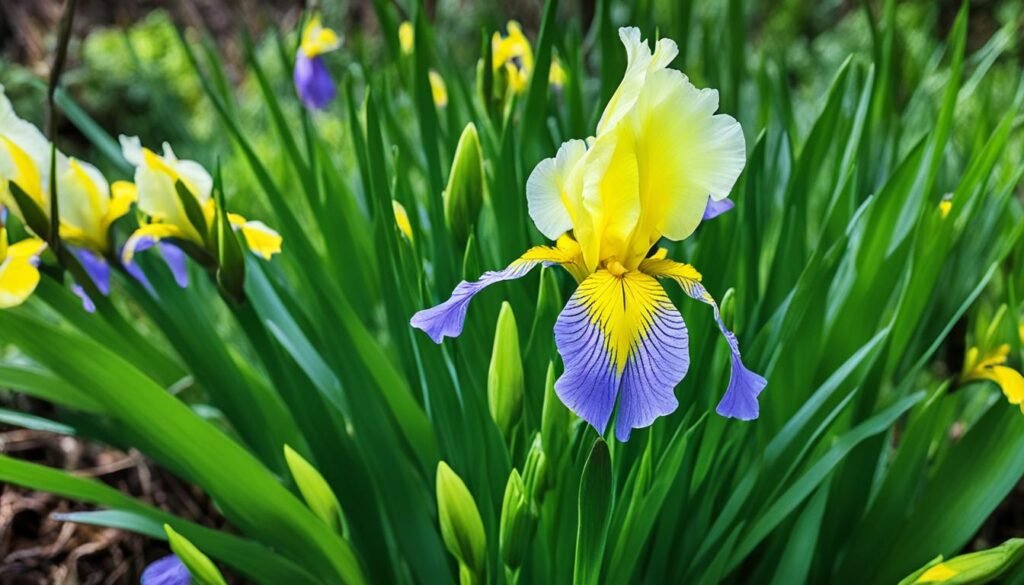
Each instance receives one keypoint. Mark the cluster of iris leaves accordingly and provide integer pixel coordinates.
(345, 447)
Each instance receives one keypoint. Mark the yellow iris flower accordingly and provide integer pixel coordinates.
(659, 156)
(991, 367)
(513, 52)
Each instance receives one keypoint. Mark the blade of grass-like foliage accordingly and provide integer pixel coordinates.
(39, 383)
(264, 508)
(35, 423)
(973, 479)
(815, 474)
(795, 564)
(246, 557)
(595, 506)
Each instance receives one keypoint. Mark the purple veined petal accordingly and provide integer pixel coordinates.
(620, 337)
(313, 82)
(176, 261)
(716, 208)
(168, 570)
(87, 304)
(659, 360)
(447, 319)
(740, 399)
(96, 267)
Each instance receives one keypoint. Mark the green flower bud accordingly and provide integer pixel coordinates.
(200, 567)
(517, 522)
(728, 309)
(461, 527)
(465, 192)
(314, 489)
(505, 375)
(974, 568)
(535, 470)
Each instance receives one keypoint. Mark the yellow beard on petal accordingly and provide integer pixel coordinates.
(622, 307)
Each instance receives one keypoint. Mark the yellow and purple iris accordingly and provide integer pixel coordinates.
(312, 79)
(660, 156)
(156, 177)
(88, 204)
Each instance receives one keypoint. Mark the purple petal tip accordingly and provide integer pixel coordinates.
(740, 399)
(168, 570)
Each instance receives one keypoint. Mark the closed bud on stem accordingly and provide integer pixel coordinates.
(978, 567)
(535, 470)
(464, 195)
(728, 308)
(314, 489)
(461, 527)
(505, 375)
(518, 522)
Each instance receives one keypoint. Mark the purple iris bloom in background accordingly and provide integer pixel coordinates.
(312, 79)
(168, 570)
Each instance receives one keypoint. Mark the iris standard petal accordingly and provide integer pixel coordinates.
(547, 196)
(447, 319)
(620, 337)
(716, 208)
(168, 570)
(313, 82)
(740, 399)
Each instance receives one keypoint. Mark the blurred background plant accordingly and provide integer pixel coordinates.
(874, 262)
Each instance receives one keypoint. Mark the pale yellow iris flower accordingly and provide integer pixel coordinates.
(155, 179)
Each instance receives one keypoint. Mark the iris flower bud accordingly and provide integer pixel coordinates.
(505, 376)
(461, 527)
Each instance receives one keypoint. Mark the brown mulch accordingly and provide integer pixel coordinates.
(36, 549)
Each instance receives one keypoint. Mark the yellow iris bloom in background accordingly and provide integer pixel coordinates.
(155, 180)
(513, 53)
(991, 367)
